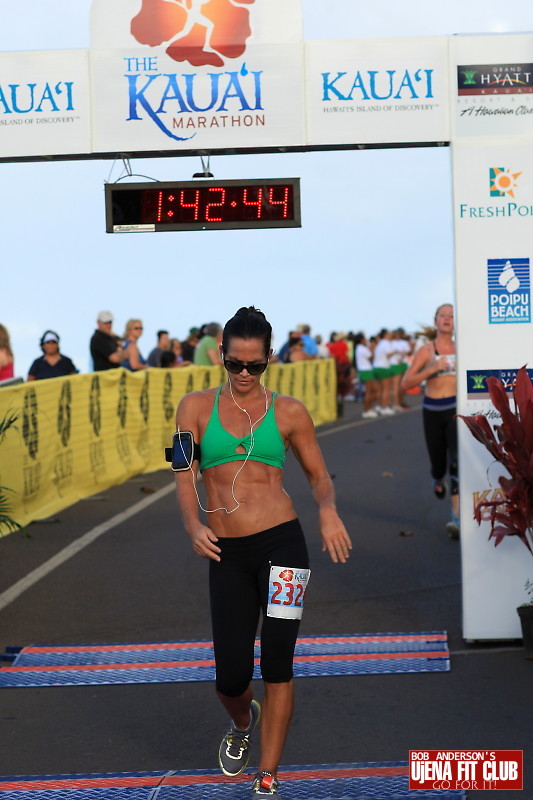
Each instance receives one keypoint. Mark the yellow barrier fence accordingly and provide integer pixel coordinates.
(79, 435)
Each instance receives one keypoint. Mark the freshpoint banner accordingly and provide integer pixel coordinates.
(80, 435)
(493, 197)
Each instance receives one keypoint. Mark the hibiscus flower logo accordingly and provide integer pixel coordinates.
(286, 575)
(202, 32)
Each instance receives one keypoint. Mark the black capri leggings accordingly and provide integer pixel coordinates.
(440, 429)
(238, 586)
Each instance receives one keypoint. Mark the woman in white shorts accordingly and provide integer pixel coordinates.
(402, 349)
(365, 373)
(383, 373)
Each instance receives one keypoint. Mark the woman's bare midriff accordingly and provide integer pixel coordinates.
(263, 501)
(441, 386)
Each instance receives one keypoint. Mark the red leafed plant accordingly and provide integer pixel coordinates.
(511, 444)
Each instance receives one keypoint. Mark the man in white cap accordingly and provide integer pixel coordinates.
(106, 350)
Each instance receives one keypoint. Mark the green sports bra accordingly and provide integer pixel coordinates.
(219, 447)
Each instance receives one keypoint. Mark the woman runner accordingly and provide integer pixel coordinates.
(258, 559)
(434, 363)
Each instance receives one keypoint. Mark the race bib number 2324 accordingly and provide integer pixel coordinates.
(286, 592)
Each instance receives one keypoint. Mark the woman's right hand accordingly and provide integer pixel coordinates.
(436, 365)
(204, 542)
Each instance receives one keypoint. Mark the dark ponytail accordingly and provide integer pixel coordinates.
(248, 323)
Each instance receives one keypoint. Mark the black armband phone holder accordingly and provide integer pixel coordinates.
(183, 452)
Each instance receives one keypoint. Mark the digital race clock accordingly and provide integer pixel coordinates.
(202, 205)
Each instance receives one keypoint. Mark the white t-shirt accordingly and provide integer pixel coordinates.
(401, 350)
(382, 353)
(363, 358)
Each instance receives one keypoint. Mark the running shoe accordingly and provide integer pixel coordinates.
(439, 487)
(370, 414)
(453, 527)
(265, 785)
(234, 751)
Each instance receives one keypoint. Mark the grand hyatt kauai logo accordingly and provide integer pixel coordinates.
(502, 182)
(476, 381)
(491, 79)
(201, 32)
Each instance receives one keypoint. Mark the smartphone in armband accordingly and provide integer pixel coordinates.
(183, 452)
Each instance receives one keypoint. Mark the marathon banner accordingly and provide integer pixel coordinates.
(237, 75)
(215, 75)
(45, 103)
(76, 436)
(377, 91)
(491, 84)
(197, 75)
(150, 102)
(493, 199)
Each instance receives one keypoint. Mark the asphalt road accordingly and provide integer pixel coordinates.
(140, 582)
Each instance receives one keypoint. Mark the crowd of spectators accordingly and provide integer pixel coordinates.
(368, 369)
(109, 350)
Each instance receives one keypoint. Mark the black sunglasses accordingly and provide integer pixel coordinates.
(235, 367)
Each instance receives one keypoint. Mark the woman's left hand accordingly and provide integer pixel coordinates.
(335, 539)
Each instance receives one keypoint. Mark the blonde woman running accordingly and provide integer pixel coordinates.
(434, 363)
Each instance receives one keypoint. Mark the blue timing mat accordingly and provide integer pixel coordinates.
(372, 781)
(363, 654)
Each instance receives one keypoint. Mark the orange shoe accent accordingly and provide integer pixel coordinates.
(267, 781)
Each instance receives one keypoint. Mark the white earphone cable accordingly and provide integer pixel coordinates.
(252, 443)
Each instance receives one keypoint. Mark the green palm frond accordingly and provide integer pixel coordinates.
(8, 525)
(6, 423)
(6, 522)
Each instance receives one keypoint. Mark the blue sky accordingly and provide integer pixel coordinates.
(375, 249)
